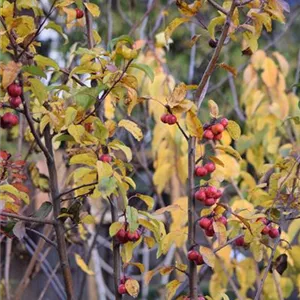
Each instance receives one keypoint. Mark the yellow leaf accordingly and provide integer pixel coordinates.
(166, 270)
(88, 219)
(89, 159)
(212, 25)
(9, 73)
(213, 108)
(177, 95)
(44, 122)
(269, 75)
(147, 199)
(284, 65)
(132, 287)
(193, 124)
(220, 231)
(77, 132)
(148, 276)
(173, 25)
(126, 252)
(70, 116)
(168, 208)
(234, 130)
(208, 256)
(189, 10)
(138, 265)
(228, 68)
(82, 265)
(93, 9)
(172, 287)
(216, 160)
(132, 127)
(150, 242)
(229, 150)
(114, 228)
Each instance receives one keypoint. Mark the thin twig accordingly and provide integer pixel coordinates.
(218, 7)
(43, 237)
(27, 219)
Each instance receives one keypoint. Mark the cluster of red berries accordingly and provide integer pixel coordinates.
(268, 229)
(196, 257)
(122, 287)
(214, 132)
(105, 158)
(168, 119)
(79, 13)
(125, 236)
(208, 195)
(206, 223)
(204, 170)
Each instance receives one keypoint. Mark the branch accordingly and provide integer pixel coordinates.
(27, 219)
(89, 26)
(76, 188)
(43, 237)
(219, 7)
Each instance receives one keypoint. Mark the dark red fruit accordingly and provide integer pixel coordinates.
(274, 233)
(163, 118)
(200, 171)
(14, 90)
(79, 13)
(210, 167)
(105, 158)
(223, 220)
(122, 289)
(133, 236)
(205, 223)
(210, 201)
(200, 195)
(217, 128)
(224, 122)
(218, 194)
(193, 255)
(123, 279)
(213, 43)
(211, 191)
(210, 232)
(8, 120)
(171, 119)
(199, 261)
(218, 137)
(122, 236)
(240, 241)
(208, 134)
(15, 101)
(265, 230)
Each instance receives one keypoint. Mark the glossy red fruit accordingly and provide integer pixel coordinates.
(274, 233)
(199, 261)
(122, 236)
(163, 118)
(211, 191)
(223, 220)
(264, 220)
(265, 230)
(210, 201)
(133, 236)
(210, 167)
(171, 119)
(200, 195)
(224, 122)
(14, 90)
(79, 13)
(200, 171)
(218, 194)
(122, 289)
(8, 120)
(217, 128)
(105, 158)
(218, 137)
(205, 222)
(240, 241)
(210, 232)
(208, 134)
(193, 255)
(15, 101)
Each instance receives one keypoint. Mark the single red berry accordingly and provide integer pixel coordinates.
(105, 158)
(210, 201)
(122, 236)
(14, 90)
(213, 43)
(218, 194)
(170, 119)
(8, 120)
(200, 195)
(217, 128)
(122, 289)
(224, 122)
(211, 191)
(163, 118)
(209, 232)
(274, 233)
(15, 101)
(208, 134)
(193, 255)
(205, 222)
(210, 167)
(218, 137)
(240, 241)
(199, 261)
(200, 171)
(79, 13)
(223, 220)
(133, 236)
(265, 230)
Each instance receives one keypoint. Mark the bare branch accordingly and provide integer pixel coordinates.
(27, 219)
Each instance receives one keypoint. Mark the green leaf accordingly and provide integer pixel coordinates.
(38, 89)
(107, 186)
(34, 70)
(43, 211)
(87, 96)
(71, 114)
(212, 25)
(132, 218)
(100, 132)
(145, 68)
(124, 38)
(43, 62)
